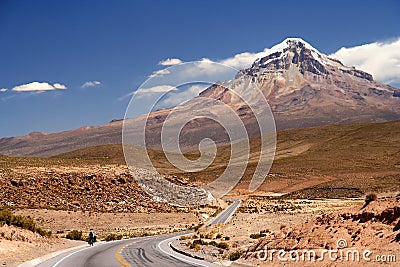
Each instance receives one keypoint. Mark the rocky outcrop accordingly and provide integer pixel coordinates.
(375, 228)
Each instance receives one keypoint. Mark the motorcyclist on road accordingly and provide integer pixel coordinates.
(92, 237)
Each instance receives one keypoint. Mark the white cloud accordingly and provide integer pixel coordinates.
(142, 92)
(238, 61)
(382, 60)
(159, 73)
(59, 86)
(244, 60)
(38, 86)
(2, 90)
(170, 62)
(179, 97)
(90, 84)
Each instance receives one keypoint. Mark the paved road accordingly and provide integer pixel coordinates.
(226, 214)
(143, 252)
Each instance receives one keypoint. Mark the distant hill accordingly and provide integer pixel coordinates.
(358, 157)
(303, 86)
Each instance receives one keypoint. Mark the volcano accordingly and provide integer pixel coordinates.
(303, 87)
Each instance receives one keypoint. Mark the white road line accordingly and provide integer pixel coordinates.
(175, 256)
(67, 256)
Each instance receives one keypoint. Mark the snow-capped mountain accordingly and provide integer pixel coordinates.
(303, 86)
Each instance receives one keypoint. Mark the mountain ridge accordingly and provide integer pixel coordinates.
(303, 87)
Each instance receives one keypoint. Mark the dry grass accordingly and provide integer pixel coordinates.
(340, 160)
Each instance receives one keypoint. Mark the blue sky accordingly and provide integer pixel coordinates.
(119, 44)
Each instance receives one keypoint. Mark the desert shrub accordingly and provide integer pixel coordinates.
(218, 236)
(46, 233)
(222, 245)
(7, 217)
(74, 235)
(195, 228)
(234, 255)
(24, 222)
(227, 238)
(112, 237)
(198, 242)
(184, 237)
(209, 236)
(370, 197)
(213, 243)
(397, 237)
(218, 210)
(258, 235)
(255, 236)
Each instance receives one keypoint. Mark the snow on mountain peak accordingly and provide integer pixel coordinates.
(288, 42)
(295, 45)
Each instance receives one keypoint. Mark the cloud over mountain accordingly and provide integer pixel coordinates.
(380, 59)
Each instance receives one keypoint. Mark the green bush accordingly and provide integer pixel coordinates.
(42, 232)
(222, 245)
(112, 237)
(198, 242)
(197, 227)
(213, 243)
(23, 222)
(234, 255)
(257, 236)
(7, 217)
(74, 235)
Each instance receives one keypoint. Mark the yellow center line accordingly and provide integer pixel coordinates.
(121, 259)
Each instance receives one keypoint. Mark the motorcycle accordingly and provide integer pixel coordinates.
(91, 241)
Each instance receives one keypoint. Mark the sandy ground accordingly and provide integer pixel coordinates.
(127, 224)
(19, 245)
(260, 214)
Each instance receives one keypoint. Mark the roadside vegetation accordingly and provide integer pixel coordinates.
(262, 233)
(112, 237)
(7, 217)
(369, 198)
(201, 242)
(75, 235)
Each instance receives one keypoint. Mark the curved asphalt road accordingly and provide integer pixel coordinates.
(143, 251)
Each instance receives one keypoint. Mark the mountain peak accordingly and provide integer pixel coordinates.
(295, 52)
(292, 42)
